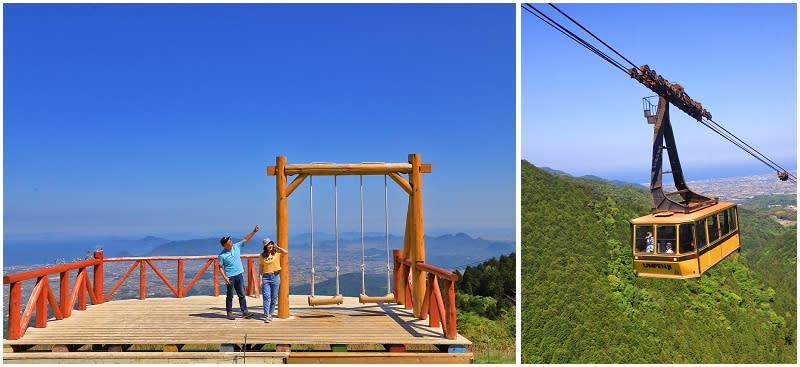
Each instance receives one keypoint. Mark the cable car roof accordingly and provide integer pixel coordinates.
(672, 218)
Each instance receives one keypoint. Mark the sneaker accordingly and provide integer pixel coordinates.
(230, 316)
(267, 320)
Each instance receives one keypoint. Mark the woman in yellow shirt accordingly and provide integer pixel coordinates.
(270, 266)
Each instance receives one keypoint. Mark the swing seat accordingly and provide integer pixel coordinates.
(325, 300)
(388, 298)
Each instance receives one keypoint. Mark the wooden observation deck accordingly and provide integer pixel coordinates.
(418, 325)
(350, 332)
(58, 325)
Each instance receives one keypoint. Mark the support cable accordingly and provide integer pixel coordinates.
(595, 37)
(717, 128)
(575, 37)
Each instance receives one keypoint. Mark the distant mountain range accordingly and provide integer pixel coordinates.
(449, 250)
(556, 172)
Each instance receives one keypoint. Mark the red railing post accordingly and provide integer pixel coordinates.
(249, 291)
(142, 279)
(450, 309)
(397, 275)
(98, 277)
(407, 274)
(216, 277)
(41, 303)
(14, 303)
(180, 278)
(433, 307)
(63, 291)
(82, 290)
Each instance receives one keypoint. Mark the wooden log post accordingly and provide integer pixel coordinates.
(180, 278)
(418, 237)
(98, 277)
(41, 303)
(282, 232)
(63, 294)
(142, 279)
(14, 305)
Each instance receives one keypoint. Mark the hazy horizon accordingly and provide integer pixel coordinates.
(641, 175)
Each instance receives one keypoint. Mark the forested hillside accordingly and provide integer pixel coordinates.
(485, 300)
(581, 302)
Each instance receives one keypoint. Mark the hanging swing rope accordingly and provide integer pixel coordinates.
(311, 215)
(363, 297)
(363, 265)
(386, 213)
(314, 300)
(336, 215)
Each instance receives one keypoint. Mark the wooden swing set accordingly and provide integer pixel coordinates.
(413, 243)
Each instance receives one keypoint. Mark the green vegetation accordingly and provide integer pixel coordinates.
(776, 207)
(581, 302)
(485, 300)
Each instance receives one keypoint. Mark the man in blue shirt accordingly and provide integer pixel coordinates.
(230, 265)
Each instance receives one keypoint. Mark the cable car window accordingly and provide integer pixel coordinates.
(667, 238)
(724, 223)
(686, 238)
(733, 218)
(701, 233)
(713, 231)
(644, 239)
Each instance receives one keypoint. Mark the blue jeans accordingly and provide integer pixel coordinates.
(237, 282)
(270, 282)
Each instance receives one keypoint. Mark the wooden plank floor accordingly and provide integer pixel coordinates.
(201, 320)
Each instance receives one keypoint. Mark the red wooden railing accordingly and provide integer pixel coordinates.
(440, 309)
(42, 295)
(436, 307)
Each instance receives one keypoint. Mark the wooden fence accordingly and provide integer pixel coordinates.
(438, 307)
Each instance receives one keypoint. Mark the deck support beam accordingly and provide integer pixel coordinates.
(65, 348)
(172, 347)
(395, 348)
(117, 347)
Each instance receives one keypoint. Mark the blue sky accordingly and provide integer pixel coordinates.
(161, 119)
(583, 116)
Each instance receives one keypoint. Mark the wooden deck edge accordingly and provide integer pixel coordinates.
(146, 357)
(377, 358)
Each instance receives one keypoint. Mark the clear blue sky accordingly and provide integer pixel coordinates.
(583, 116)
(161, 119)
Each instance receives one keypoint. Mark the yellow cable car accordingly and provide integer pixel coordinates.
(684, 245)
(686, 233)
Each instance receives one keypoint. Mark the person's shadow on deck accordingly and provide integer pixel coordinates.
(219, 314)
(210, 315)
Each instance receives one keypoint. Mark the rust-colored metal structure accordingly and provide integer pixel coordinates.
(684, 200)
